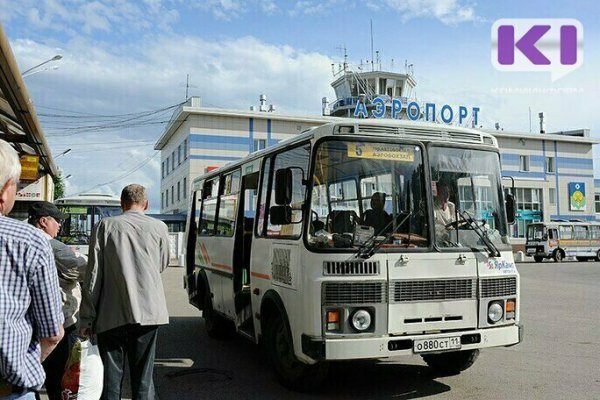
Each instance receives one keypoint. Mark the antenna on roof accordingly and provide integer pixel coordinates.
(372, 65)
(187, 86)
(345, 52)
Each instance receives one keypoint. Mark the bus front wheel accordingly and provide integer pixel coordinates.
(291, 372)
(598, 256)
(451, 363)
(558, 255)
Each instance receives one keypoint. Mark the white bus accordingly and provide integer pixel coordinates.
(293, 246)
(560, 239)
(84, 211)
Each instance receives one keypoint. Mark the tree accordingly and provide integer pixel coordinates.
(59, 186)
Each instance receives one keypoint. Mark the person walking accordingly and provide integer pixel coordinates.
(31, 319)
(70, 268)
(123, 300)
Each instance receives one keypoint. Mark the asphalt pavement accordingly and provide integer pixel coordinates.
(558, 359)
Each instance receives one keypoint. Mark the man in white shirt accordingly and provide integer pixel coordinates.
(444, 210)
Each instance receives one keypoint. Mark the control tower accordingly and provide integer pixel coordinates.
(351, 86)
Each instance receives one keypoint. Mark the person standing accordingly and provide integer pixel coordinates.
(123, 299)
(31, 319)
(46, 217)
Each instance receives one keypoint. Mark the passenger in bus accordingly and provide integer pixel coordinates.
(377, 217)
(444, 209)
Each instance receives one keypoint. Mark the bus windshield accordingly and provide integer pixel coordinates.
(467, 190)
(535, 232)
(77, 227)
(366, 190)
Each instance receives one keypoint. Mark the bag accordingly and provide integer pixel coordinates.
(84, 373)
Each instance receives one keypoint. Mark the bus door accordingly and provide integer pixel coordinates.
(275, 258)
(216, 238)
(242, 247)
(552, 239)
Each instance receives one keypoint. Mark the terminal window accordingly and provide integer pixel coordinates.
(552, 196)
(259, 144)
(524, 163)
(550, 167)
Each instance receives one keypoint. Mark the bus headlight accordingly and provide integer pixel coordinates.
(361, 320)
(495, 312)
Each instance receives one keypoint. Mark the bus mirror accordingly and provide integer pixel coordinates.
(510, 208)
(280, 215)
(283, 187)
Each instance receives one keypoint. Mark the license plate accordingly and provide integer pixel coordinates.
(530, 251)
(438, 344)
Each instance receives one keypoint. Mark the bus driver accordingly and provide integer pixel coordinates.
(444, 210)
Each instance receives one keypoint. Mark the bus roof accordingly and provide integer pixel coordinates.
(383, 128)
(99, 199)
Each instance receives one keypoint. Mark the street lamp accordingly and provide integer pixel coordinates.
(67, 151)
(67, 177)
(32, 71)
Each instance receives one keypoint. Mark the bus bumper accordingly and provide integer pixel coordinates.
(393, 346)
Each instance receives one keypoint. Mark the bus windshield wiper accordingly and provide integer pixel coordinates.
(472, 222)
(371, 245)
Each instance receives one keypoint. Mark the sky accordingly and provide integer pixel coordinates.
(125, 63)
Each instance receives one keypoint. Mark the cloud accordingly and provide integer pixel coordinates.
(316, 7)
(449, 12)
(99, 78)
(226, 10)
(268, 6)
(75, 17)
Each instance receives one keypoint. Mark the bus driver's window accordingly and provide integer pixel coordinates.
(297, 160)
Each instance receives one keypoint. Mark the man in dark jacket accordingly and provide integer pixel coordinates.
(70, 268)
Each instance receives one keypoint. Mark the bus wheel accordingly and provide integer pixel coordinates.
(451, 363)
(217, 327)
(291, 372)
(558, 255)
(598, 256)
(538, 258)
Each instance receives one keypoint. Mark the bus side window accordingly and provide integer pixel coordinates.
(261, 208)
(296, 159)
(580, 232)
(208, 211)
(566, 232)
(228, 204)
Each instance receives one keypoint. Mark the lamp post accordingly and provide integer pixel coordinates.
(67, 151)
(33, 69)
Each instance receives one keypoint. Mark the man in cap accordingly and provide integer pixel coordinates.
(47, 217)
(30, 316)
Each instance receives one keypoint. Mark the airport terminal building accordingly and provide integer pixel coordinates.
(547, 168)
